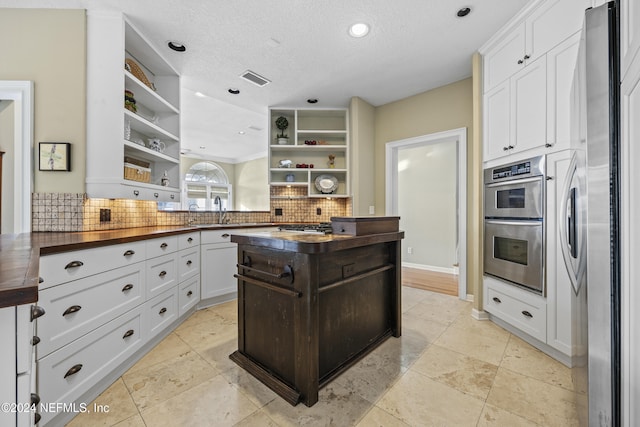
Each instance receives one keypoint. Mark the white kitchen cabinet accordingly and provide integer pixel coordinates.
(116, 135)
(162, 274)
(162, 311)
(515, 113)
(561, 62)
(629, 34)
(529, 36)
(188, 294)
(8, 354)
(313, 135)
(218, 260)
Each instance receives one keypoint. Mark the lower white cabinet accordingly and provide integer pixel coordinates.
(162, 274)
(188, 294)
(218, 259)
(65, 374)
(162, 311)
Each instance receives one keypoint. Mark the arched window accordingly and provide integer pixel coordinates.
(205, 183)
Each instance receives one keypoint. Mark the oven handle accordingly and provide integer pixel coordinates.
(515, 181)
(512, 222)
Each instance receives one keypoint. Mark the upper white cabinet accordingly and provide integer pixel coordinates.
(316, 150)
(133, 146)
(537, 30)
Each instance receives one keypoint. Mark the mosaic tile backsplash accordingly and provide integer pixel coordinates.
(76, 212)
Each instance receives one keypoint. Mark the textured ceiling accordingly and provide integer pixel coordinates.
(302, 46)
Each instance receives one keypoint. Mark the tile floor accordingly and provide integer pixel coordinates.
(447, 369)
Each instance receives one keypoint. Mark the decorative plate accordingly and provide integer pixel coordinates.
(326, 184)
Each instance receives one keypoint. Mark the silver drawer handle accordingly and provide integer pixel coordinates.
(527, 314)
(189, 293)
(129, 253)
(496, 299)
(74, 264)
(74, 370)
(162, 273)
(127, 287)
(128, 334)
(163, 310)
(72, 309)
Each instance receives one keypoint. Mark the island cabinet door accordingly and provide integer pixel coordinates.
(277, 327)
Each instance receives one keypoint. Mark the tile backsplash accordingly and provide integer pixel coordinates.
(76, 212)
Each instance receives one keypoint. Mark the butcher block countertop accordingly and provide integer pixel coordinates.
(20, 253)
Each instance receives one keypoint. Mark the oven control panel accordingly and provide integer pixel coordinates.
(517, 170)
(523, 168)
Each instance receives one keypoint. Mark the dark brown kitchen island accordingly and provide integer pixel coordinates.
(310, 306)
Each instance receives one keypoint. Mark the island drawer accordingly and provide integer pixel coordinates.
(78, 307)
(66, 374)
(67, 266)
(162, 274)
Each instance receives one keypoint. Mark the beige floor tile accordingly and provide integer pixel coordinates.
(464, 373)
(412, 296)
(163, 380)
(376, 417)
(423, 330)
(120, 407)
(534, 400)
(479, 339)
(211, 403)
(257, 419)
(208, 333)
(218, 354)
(227, 310)
(421, 401)
(524, 359)
(135, 421)
(440, 308)
(255, 391)
(170, 347)
(496, 417)
(337, 407)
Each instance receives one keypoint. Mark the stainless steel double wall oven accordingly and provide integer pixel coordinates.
(514, 207)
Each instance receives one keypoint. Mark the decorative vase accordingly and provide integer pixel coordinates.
(283, 141)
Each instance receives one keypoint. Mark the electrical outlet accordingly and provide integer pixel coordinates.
(105, 215)
(372, 210)
(318, 211)
(409, 250)
(278, 211)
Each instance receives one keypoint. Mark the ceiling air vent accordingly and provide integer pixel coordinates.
(254, 78)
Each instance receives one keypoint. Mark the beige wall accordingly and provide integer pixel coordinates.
(251, 185)
(7, 118)
(362, 126)
(475, 223)
(48, 47)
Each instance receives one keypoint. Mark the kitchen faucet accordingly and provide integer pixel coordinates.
(217, 201)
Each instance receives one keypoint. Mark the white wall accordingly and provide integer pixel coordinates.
(251, 185)
(427, 192)
(7, 117)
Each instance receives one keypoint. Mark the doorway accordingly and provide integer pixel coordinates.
(426, 181)
(16, 140)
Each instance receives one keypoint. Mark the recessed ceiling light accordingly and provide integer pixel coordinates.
(177, 46)
(463, 12)
(199, 94)
(241, 132)
(234, 91)
(359, 29)
(202, 147)
(312, 100)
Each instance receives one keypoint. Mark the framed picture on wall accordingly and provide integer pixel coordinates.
(55, 156)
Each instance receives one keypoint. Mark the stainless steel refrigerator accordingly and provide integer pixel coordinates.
(592, 242)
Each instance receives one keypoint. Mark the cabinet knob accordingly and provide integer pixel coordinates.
(72, 309)
(189, 293)
(496, 299)
(527, 314)
(74, 264)
(129, 253)
(156, 195)
(136, 192)
(128, 334)
(127, 287)
(36, 311)
(163, 310)
(74, 370)
(162, 273)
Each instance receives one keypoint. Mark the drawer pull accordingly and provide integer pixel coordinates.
(190, 239)
(136, 192)
(163, 310)
(40, 280)
(164, 245)
(129, 253)
(189, 262)
(527, 314)
(496, 299)
(162, 273)
(74, 370)
(127, 287)
(511, 147)
(128, 334)
(35, 340)
(505, 148)
(36, 311)
(156, 195)
(173, 196)
(189, 293)
(72, 309)
(36, 418)
(74, 264)
(520, 61)
(225, 235)
(35, 399)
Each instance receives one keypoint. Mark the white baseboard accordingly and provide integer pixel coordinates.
(452, 270)
(469, 298)
(479, 315)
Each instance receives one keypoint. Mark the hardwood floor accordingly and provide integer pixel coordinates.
(443, 283)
